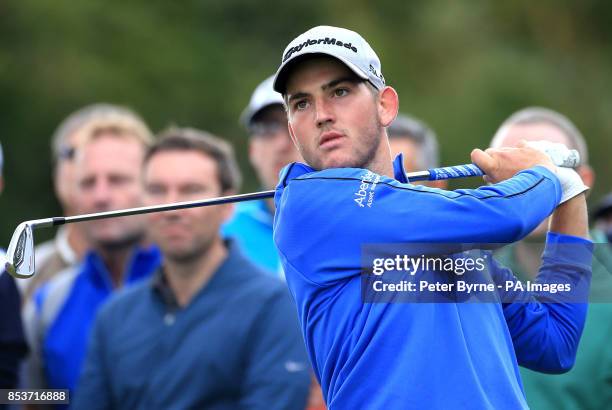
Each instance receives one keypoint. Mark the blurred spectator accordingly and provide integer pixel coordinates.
(603, 218)
(419, 145)
(537, 123)
(588, 384)
(70, 242)
(58, 319)
(13, 347)
(270, 148)
(209, 330)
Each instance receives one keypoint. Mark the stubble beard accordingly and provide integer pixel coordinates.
(192, 254)
(371, 139)
(363, 150)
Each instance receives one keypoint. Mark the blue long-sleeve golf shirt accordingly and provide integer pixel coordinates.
(421, 355)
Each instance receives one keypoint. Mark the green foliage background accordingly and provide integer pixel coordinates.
(461, 66)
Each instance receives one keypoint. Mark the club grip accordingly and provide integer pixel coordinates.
(459, 171)
(567, 159)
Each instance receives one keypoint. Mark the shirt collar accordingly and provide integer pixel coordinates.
(296, 169)
(160, 286)
(62, 244)
(398, 169)
(143, 261)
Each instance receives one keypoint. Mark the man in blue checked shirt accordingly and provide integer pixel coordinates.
(413, 355)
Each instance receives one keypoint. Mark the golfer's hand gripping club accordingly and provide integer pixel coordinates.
(571, 183)
(560, 156)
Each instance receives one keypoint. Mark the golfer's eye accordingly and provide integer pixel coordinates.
(300, 105)
(341, 92)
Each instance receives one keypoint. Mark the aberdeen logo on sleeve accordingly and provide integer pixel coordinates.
(364, 196)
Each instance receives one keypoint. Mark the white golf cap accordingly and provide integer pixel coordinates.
(345, 45)
(263, 96)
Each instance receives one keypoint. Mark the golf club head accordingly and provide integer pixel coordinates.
(20, 253)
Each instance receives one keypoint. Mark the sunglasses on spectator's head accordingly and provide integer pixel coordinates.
(66, 153)
(267, 128)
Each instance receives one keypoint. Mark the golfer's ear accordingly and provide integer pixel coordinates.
(388, 105)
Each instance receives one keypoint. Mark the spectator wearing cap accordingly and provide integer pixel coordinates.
(587, 385)
(13, 346)
(270, 149)
(417, 142)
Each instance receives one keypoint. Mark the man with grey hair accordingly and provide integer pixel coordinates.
(587, 384)
(70, 242)
(418, 144)
(540, 123)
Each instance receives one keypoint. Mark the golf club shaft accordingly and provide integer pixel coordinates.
(153, 208)
(432, 174)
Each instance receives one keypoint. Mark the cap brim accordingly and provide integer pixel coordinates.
(247, 115)
(280, 79)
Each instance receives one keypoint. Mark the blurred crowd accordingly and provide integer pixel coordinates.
(188, 308)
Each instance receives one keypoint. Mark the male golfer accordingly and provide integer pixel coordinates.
(421, 355)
